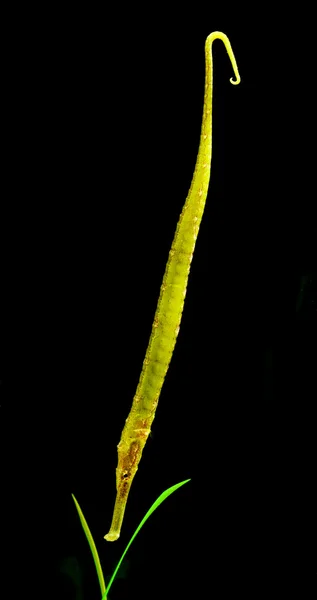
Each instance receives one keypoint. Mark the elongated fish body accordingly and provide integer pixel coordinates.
(170, 306)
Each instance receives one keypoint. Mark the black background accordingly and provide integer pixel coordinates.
(103, 113)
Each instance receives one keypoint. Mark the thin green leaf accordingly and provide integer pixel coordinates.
(154, 506)
(93, 549)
